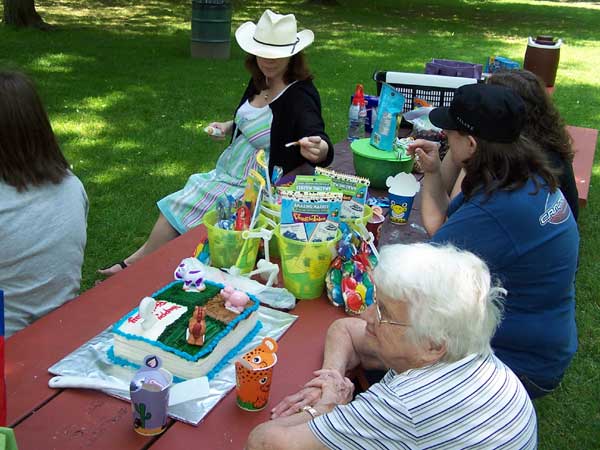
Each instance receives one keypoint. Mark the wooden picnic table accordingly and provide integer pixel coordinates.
(45, 418)
(75, 418)
(585, 141)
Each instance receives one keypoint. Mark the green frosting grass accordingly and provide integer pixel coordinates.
(174, 334)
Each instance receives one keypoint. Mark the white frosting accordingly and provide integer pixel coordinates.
(135, 351)
(165, 313)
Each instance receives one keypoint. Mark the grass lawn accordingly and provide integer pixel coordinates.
(128, 105)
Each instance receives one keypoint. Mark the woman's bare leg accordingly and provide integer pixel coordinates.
(162, 233)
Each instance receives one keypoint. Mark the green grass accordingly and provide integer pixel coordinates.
(128, 105)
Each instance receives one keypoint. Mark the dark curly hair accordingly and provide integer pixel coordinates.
(29, 152)
(544, 124)
(297, 70)
(506, 166)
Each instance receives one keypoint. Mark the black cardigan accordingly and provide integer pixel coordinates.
(296, 114)
(566, 180)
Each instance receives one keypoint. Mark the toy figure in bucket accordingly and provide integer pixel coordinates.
(254, 372)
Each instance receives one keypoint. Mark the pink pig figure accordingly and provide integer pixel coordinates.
(235, 300)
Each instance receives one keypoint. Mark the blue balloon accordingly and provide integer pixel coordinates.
(336, 294)
(369, 296)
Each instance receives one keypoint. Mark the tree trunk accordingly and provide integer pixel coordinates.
(22, 13)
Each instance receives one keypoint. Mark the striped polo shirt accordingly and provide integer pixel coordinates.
(476, 402)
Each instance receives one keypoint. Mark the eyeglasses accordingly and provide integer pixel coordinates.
(391, 322)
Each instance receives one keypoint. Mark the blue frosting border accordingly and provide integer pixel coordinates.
(235, 350)
(205, 349)
(210, 374)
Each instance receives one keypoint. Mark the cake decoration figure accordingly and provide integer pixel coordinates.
(191, 272)
(146, 311)
(197, 327)
(235, 301)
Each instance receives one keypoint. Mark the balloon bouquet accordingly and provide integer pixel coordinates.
(349, 279)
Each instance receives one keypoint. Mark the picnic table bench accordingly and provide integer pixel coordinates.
(585, 141)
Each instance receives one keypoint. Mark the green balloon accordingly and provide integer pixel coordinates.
(336, 276)
(348, 267)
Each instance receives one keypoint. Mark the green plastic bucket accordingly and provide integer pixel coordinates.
(367, 214)
(275, 216)
(377, 165)
(305, 264)
(228, 247)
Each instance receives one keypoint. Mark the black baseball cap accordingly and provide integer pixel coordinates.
(492, 112)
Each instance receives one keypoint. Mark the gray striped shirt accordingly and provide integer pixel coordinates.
(476, 402)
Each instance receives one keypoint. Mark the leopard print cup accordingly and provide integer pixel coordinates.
(254, 373)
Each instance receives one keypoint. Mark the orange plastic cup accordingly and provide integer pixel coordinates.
(254, 374)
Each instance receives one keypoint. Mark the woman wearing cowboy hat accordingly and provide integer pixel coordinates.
(280, 105)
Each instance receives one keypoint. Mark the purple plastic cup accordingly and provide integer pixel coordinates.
(149, 390)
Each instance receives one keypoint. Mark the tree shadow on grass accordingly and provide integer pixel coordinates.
(127, 101)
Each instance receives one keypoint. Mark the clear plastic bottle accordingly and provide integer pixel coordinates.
(357, 115)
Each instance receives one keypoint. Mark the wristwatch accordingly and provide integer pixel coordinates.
(312, 411)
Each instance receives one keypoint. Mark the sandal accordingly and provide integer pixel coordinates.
(104, 270)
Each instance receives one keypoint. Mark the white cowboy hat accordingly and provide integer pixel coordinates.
(275, 36)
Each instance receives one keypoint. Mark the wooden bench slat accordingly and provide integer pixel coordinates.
(584, 145)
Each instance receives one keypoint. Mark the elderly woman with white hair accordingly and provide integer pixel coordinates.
(431, 328)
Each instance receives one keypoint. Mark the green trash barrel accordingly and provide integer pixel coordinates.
(211, 29)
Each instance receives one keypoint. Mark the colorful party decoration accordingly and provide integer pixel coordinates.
(349, 280)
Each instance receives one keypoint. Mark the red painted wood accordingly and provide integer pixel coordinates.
(74, 419)
(300, 353)
(584, 143)
(78, 419)
(31, 351)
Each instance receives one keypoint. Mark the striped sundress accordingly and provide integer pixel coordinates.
(184, 209)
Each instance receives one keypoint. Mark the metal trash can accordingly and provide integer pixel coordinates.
(211, 29)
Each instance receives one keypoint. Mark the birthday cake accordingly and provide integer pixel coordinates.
(194, 333)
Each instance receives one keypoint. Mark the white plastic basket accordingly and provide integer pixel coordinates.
(437, 90)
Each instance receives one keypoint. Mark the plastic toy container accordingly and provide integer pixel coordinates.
(272, 211)
(377, 165)
(228, 247)
(305, 264)
(367, 214)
